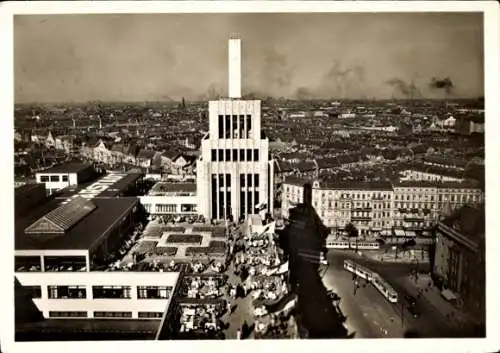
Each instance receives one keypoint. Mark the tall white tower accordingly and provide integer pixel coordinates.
(234, 173)
(234, 67)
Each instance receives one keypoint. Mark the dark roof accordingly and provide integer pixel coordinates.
(285, 166)
(27, 188)
(357, 185)
(83, 234)
(468, 221)
(71, 167)
(172, 187)
(62, 218)
(112, 190)
(146, 154)
(121, 185)
(436, 184)
(294, 180)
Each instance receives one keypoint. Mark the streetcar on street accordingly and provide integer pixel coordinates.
(374, 278)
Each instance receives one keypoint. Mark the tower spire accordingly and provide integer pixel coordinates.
(234, 66)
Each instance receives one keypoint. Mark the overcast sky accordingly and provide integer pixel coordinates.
(61, 58)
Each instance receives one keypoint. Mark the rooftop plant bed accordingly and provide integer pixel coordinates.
(184, 238)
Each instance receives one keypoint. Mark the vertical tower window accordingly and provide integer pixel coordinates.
(214, 155)
(256, 184)
(221, 155)
(221, 126)
(242, 155)
(234, 126)
(255, 155)
(241, 127)
(249, 155)
(228, 155)
(242, 180)
(235, 155)
(249, 126)
(249, 180)
(227, 127)
(214, 196)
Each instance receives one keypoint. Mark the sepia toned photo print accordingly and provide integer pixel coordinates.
(249, 176)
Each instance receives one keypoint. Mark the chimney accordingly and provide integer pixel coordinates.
(234, 67)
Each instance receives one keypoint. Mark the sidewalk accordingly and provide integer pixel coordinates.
(423, 286)
(403, 257)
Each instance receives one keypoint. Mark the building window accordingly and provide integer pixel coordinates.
(249, 126)
(228, 127)
(256, 196)
(153, 292)
(242, 155)
(228, 180)
(235, 155)
(64, 178)
(256, 184)
(54, 178)
(241, 119)
(44, 178)
(188, 208)
(67, 292)
(234, 126)
(113, 314)
(249, 155)
(67, 314)
(111, 292)
(249, 180)
(166, 208)
(214, 155)
(214, 196)
(255, 155)
(221, 155)
(150, 314)
(242, 180)
(221, 126)
(228, 155)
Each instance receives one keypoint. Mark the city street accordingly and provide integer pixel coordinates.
(369, 314)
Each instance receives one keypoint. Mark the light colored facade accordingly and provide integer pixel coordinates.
(374, 208)
(103, 295)
(56, 181)
(234, 172)
(174, 199)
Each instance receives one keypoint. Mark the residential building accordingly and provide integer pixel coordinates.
(380, 206)
(460, 259)
(63, 175)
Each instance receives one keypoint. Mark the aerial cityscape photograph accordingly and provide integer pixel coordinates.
(249, 176)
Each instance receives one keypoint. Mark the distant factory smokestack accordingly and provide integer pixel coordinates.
(235, 67)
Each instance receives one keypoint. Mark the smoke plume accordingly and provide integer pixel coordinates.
(346, 81)
(408, 90)
(442, 83)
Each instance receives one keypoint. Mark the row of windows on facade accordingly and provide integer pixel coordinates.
(171, 208)
(221, 198)
(246, 180)
(417, 193)
(235, 126)
(101, 292)
(107, 314)
(235, 155)
(420, 198)
(52, 178)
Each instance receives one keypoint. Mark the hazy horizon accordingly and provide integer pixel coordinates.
(158, 57)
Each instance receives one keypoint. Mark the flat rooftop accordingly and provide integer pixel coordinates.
(79, 236)
(71, 167)
(103, 187)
